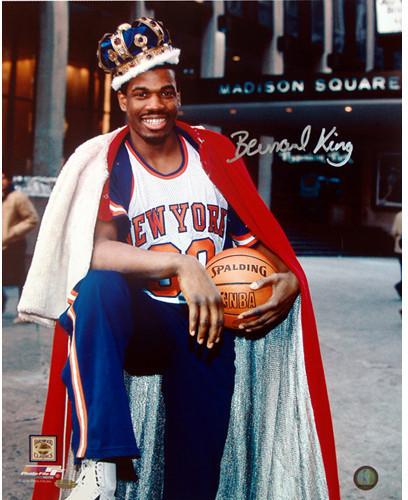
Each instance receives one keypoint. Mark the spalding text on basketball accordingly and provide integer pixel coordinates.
(253, 268)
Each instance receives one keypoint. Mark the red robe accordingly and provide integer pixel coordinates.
(233, 180)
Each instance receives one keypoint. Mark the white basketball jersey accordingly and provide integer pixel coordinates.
(178, 208)
(182, 212)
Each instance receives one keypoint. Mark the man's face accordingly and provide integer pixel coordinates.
(151, 103)
(5, 183)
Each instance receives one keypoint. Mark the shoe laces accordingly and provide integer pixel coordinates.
(85, 466)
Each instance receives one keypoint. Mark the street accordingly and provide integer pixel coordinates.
(357, 311)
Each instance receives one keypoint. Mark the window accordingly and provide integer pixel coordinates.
(302, 43)
(349, 35)
(240, 23)
(19, 68)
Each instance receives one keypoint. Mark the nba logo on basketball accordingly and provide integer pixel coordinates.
(238, 300)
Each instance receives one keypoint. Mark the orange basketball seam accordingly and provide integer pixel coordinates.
(235, 283)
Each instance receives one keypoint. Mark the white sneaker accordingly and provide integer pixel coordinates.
(96, 480)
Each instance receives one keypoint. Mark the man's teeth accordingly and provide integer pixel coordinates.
(154, 121)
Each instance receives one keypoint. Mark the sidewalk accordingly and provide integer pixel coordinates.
(357, 312)
(26, 360)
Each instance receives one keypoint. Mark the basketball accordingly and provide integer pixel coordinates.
(232, 271)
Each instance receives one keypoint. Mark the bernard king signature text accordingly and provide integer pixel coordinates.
(325, 143)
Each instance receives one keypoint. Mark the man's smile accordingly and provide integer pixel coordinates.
(155, 122)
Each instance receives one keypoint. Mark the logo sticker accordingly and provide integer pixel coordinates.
(42, 472)
(43, 448)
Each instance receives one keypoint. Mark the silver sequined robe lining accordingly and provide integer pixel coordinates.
(272, 450)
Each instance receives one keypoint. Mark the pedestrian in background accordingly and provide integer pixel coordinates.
(396, 232)
(19, 218)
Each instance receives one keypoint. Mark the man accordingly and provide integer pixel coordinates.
(19, 218)
(396, 233)
(147, 304)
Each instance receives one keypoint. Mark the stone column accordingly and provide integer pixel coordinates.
(265, 171)
(213, 46)
(139, 9)
(51, 89)
(370, 36)
(328, 35)
(272, 59)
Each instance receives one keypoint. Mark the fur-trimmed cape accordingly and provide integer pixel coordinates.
(280, 443)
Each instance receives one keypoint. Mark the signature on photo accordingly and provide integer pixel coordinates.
(326, 143)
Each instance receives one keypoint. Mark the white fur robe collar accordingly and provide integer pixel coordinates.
(64, 247)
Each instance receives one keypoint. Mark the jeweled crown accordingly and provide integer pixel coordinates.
(135, 48)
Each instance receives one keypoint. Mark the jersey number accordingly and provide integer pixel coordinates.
(203, 250)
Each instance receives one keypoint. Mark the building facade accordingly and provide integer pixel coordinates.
(316, 85)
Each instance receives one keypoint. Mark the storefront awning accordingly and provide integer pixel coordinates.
(369, 116)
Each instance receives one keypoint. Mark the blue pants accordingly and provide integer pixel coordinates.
(116, 326)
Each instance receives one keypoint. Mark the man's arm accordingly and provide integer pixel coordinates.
(205, 306)
(396, 229)
(285, 288)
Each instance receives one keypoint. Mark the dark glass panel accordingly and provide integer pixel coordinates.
(349, 35)
(302, 43)
(22, 137)
(25, 78)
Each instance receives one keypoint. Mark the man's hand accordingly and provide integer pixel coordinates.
(206, 311)
(285, 288)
